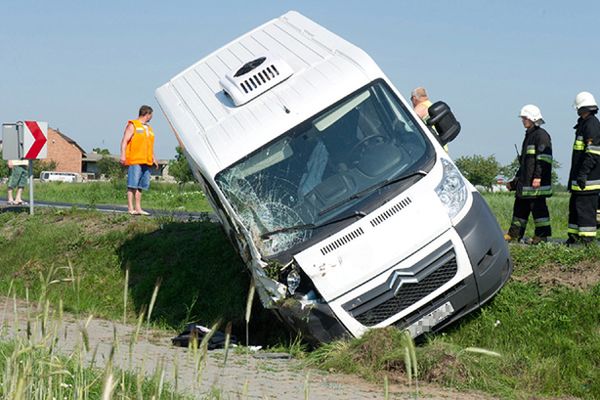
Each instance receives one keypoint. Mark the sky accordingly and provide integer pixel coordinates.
(86, 67)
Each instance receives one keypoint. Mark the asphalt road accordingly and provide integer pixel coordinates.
(179, 215)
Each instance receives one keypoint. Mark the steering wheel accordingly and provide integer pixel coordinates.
(364, 141)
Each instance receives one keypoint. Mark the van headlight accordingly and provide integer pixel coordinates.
(293, 281)
(452, 190)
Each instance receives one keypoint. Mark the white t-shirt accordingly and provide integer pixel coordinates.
(20, 162)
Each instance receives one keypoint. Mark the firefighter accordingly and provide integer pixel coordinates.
(584, 177)
(533, 180)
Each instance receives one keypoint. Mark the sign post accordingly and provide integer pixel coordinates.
(25, 140)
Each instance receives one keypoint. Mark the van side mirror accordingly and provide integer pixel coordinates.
(444, 122)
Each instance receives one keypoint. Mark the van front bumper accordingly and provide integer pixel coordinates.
(316, 322)
(487, 250)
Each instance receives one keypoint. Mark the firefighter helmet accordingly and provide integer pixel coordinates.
(585, 100)
(532, 113)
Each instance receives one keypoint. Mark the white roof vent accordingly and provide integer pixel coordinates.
(254, 78)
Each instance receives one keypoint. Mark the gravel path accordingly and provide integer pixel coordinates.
(245, 376)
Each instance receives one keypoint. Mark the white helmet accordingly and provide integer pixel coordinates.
(532, 113)
(585, 99)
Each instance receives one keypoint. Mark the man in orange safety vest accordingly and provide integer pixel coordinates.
(137, 153)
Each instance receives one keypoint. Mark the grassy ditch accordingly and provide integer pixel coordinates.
(201, 278)
(164, 196)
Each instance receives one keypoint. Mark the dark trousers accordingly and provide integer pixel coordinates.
(541, 217)
(582, 216)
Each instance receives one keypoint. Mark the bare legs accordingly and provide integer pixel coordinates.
(17, 199)
(134, 201)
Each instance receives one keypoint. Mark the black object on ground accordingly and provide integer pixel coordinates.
(191, 331)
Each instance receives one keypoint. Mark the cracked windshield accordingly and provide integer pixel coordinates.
(313, 173)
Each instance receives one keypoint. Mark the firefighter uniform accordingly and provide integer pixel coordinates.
(584, 180)
(535, 162)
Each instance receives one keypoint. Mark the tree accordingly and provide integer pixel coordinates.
(111, 168)
(479, 170)
(103, 152)
(179, 168)
(3, 167)
(43, 165)
(510, 170)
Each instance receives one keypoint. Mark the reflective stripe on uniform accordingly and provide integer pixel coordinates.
(541, 191)
(593, 149)
(589, 186)
(531, 149)
(587, 231)
(542, 221)
(579, 144)
(519, 222)
(545, 157)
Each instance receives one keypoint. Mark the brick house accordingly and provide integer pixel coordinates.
(70, 157)
(64, 151)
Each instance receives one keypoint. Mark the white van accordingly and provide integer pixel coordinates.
(343, 204)
(56, 176)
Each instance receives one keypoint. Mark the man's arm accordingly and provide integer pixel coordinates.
(127, 135)
(591, 138)
(543, 146)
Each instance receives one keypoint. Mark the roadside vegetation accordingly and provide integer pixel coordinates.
(162, 195)
(31, 370)
(540, 336)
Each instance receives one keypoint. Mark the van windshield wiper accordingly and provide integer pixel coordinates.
(379, 185)
(355, 214)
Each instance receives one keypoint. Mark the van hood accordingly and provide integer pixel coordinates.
(375, 243)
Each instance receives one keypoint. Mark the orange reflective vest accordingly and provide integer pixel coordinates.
(422, 110)
(140, 148)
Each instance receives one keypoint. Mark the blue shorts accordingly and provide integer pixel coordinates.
(138, 177)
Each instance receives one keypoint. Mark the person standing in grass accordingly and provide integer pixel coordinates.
(584, 177)
(18, 180)
(533, 180)
(137, 153)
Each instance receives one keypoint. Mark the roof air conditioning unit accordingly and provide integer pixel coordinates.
(254, 78)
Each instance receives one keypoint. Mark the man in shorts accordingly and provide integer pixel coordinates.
(18, 179)
(137, 152)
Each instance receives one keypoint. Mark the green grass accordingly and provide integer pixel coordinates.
(165, 196)
(194, 262)
(32, 371)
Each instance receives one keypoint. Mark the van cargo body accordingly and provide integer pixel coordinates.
(341, 201)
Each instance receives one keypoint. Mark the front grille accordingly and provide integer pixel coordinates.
(404, 292)
(414, 316)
